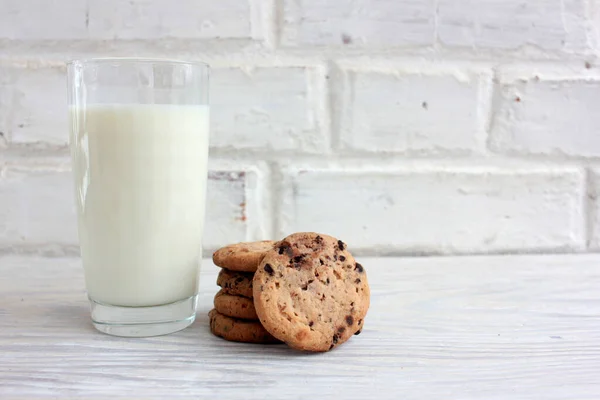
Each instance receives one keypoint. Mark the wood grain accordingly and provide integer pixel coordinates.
(522, 327)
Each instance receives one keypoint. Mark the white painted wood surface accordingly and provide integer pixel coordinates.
(512, 327)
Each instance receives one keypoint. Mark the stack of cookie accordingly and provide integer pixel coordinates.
(305, 290)
(234, 316)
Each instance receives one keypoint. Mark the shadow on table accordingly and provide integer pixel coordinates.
(74, 320)
(201, 330)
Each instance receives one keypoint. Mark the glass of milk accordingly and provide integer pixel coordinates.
(139, 149)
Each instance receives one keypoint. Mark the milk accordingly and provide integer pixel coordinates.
(140, 174)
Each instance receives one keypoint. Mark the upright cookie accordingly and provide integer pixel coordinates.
(310, 292)
(234, 306)
(236, 283)
(243, 256)
(237, 330)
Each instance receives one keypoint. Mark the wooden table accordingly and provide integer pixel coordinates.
(502, 327)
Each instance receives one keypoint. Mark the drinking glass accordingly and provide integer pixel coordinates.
(139, 132)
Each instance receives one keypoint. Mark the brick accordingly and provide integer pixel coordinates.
(42, 19)
(233, 201)
(265, 108)
(39, 106)
(358, 23)
(414, 112)
(6, 103)
(36, 208)
(439, 210)
(594, 208)
(160, 19)
(547, 118)
(510, 24)
(595, 22)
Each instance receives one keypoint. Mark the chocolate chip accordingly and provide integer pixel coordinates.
(296, 262)
(238, 280)
(349, 319)
(359, 268)
(352, 304)
(357, 281)
(321, 261)
(335, 257)
(342, 258)
(335, 339)
(269, 269)
(358, 332)
(305, 286)
(341, 245)
(285, 248)
(328, 281)
(331, 347)
(311, 323)
(319, 239)
(323, 297)
(360, 321)
(341, 329)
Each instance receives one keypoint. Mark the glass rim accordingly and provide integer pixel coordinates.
(134, 60)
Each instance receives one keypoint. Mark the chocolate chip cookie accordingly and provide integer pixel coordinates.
(310, 292)
(243, 256)
(236, 283)
(238, 330)
(234, 306)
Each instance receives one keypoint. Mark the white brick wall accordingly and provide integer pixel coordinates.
(359, 23)
(413, 127)
(440, 112)
(36, 208)
(594, 207)
(548, 24)
(43, 19)
(6, 101)
(549, 117)
(267, 108)
(441, 210)
(160, 19)
(36, 101)
(235, 205)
